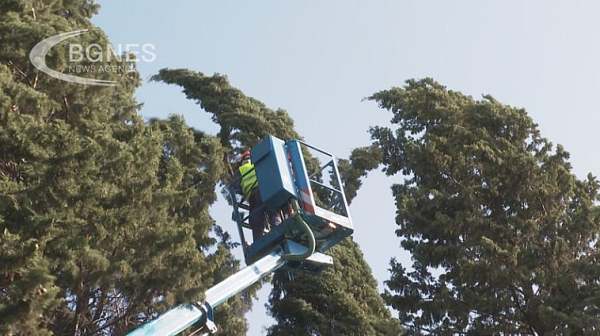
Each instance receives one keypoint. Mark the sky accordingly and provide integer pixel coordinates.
(318, 60)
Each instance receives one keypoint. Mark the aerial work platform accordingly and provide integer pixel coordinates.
(302, 183)
(287, 185)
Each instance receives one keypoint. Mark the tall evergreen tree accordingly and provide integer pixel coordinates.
(503, 237)
(103, 218)
(341, 301)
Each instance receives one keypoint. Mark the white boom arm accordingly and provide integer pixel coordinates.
(181, 317)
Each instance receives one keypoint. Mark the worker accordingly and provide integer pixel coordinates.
(250, 190)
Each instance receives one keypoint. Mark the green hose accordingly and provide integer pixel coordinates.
(309, 235)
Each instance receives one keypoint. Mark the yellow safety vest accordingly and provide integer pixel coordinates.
(249, 180)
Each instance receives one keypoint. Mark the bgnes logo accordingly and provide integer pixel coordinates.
(93, 54)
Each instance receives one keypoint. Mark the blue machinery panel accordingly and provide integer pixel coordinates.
(269, 159)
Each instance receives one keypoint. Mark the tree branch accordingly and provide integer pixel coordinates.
(19, 71)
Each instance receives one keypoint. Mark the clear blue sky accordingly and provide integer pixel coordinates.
(318, 59)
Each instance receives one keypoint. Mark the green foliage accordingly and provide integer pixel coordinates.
(104, 218)
(244, 121)
(362, 160)
(342, 300)
(504, 238)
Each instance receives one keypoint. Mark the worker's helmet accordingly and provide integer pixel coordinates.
(245, 158)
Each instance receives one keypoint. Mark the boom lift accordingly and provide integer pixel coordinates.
(317, 218)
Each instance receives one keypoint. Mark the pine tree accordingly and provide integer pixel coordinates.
(104, 218)
(341, 301)
(503, 236)
(244, 122)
